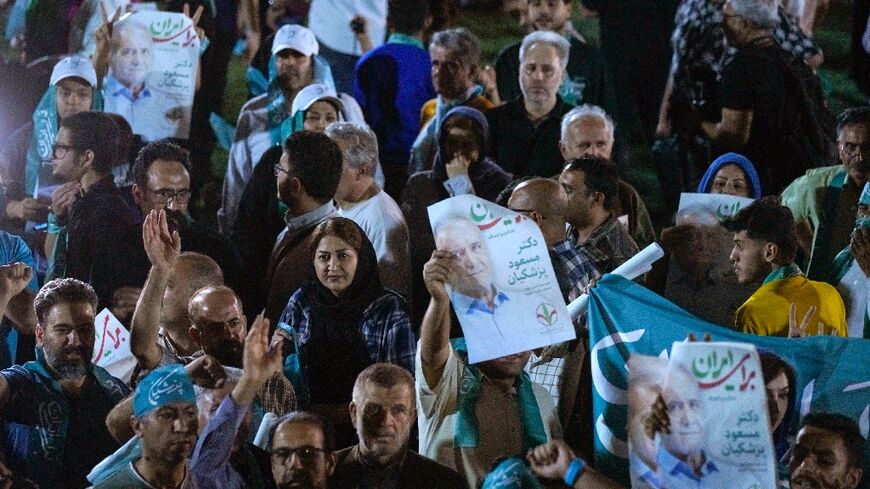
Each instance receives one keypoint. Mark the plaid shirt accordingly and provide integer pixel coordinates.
(609, 246)
(699, 45)
(574, 268)
(385, 325)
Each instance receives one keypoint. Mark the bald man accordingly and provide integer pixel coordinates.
(561, 368)
(159, 330)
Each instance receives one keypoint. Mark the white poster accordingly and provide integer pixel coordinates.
(718, 206)
(112, 346)
(152, 73)
(503, 287)
(712, 395)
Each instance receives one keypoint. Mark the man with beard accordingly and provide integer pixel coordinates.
(383, 411)
(497, 412)
(161, 181)
(303, 452)
(260, 120)
(823, 200)
(60, 400)
(828, 453)
(165, 420)
(525, 131)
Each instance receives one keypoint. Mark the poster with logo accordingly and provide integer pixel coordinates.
(709, 208)
(718, 433)
(502, 285)
(152, 73)
(112, 346)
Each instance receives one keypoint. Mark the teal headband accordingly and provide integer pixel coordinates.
(511, 473)
(865, 195)
(163, 386)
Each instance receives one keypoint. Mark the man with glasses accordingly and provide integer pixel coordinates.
(100, 226)
(303, 455)
(823, 200)
(161, 181)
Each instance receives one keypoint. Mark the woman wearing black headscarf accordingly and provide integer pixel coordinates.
(340, 322)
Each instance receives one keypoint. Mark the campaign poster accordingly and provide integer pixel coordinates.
(112, 346)
(502, 285)
(713, 397)
(713, 207)
(152, 73)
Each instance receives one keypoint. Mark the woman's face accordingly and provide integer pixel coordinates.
(730, 180)
(319, 115)
(777, 399)
(461, 142)
(335, 264)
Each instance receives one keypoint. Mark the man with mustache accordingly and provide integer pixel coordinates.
(259, 126)
(54, 406)
(823, 200)
(303, 457)
(165, 419)
(828, 453)
(525, 131)
(383, 410)
(161, 181)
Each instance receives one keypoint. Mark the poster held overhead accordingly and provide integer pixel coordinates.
(502, 285)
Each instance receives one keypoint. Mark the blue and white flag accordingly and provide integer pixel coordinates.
(833, 374)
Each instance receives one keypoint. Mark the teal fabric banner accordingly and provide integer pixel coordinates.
(833, 374)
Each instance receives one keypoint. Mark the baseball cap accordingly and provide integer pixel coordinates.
(296, 37)
(74, 66)
(314, 93)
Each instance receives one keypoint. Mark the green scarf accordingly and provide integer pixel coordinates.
(467, 432)
(785, 271)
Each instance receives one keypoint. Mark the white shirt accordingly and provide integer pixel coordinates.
(384, 224)
(154, 114)
(854, 287)
(330, 22)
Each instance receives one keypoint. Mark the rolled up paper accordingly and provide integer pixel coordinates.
(262, 438)
(634, 267)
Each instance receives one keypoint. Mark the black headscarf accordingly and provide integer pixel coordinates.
(336, 351)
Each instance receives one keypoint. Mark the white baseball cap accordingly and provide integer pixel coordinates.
(296, 37)
(315, 92)
(74, 66)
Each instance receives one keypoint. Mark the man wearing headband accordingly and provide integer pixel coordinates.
(851, 272)
(23, 154)
(165, 419)
(54, 407)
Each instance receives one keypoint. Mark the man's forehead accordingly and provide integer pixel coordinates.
(74, 83)
(290, 52)
(819, 439)
(78, 311)
(296, 434)
(400, 393)
(167, 169)
(857, 130)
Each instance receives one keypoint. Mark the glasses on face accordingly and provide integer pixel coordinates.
(280, 169)
(59, 151)
(307, 454)
(164, 196)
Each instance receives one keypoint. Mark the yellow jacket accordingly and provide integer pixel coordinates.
(766, 311)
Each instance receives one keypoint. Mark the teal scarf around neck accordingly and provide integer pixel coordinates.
(467, 432)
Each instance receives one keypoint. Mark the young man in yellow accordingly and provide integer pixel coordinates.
(765, 243)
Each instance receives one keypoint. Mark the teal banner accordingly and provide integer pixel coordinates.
(833, 374)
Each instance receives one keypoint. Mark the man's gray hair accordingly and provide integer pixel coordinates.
(586, 111)
(461, 43)
(362, 148)
(762, 13)
(562, 47)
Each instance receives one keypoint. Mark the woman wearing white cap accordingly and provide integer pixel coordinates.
(28, 183)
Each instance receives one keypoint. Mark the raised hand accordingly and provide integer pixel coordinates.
(657, 421)
(64, 197)
(436, 273)
(162, 247)
(13, 279)
(200, 33)
(860, 246)
(799, 330)
(206, 372)
(260, 361)
(457, 166)
(103, 34)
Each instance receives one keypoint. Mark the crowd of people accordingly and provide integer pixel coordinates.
(303, 336)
